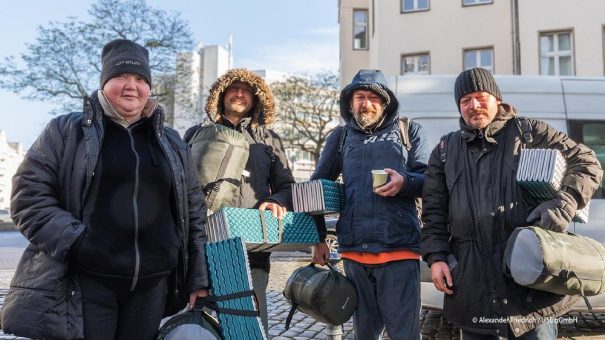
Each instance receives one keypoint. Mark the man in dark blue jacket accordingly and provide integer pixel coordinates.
(378, 230)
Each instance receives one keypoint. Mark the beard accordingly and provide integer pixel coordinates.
(367, 118)
(483, 118)
(237, 105)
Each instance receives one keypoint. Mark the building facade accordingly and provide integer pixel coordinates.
(11, 155)
(196, 71)
(538, 37)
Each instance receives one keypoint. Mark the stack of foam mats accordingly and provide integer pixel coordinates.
(261, 231)
(541, 172)
(318, 197)
(231, 283)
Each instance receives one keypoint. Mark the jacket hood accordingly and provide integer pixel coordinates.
(263, 110)
(372, 80)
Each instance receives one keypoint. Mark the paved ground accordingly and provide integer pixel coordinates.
(433, 325)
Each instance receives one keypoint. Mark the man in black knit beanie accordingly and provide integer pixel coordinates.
(471, 205)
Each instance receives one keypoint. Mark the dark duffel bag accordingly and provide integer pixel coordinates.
(324, 294)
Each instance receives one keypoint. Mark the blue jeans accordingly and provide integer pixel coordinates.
(546, 331)
(388, 296)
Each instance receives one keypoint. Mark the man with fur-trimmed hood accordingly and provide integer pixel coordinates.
(241, 100)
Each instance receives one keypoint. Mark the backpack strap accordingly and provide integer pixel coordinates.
(192, 133)
(525, 130)
(443, 148)
(404, 127)
(341, 143)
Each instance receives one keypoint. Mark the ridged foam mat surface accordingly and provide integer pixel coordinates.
(261, 231)
(318, 197)
(229, 273)
(541, 172)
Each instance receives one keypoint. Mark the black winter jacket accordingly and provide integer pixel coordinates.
(50, 188)
(472, 203)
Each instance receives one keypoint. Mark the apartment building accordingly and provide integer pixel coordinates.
(537, 37)
(196, 71)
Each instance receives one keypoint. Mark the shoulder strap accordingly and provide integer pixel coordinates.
(263, 136)
(525, 129)
(341, 143)
(192, 133)
(404, 127)
(343, 136)
(443, 148)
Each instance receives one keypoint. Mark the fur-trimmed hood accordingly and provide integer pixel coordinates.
(263, 110)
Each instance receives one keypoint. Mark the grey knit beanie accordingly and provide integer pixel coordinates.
(475, 80)
(124, 56)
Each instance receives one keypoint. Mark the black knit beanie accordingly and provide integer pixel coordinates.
(475, 80)
(124, 56)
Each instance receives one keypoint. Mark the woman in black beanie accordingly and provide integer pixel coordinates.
(110, 202)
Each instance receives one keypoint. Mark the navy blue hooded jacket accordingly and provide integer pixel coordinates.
(369, 222)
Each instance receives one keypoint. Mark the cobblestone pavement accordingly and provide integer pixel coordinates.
(433, 325)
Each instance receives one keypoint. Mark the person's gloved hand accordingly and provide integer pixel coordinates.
(554, 214)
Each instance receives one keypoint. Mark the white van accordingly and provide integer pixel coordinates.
(571, 104)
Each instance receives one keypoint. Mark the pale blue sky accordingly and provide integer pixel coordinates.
(282, 35)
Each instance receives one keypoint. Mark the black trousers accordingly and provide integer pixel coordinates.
(111, 314)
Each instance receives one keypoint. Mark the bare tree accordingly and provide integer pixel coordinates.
(63, 65)
(308, 108)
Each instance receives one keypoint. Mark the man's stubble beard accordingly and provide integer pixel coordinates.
(367, 118)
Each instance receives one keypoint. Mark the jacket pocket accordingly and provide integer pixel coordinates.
(344, 226)
(402, 227)
(44, 300)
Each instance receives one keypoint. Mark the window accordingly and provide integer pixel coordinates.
(360, 29)
(415, 64)
(556, 54)
(476, 2)
(483, 57)
(591, 134)
(414, 5)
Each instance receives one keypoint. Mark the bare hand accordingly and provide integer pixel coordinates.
(439, 272)
(393, 187)
(276, 210)
(320, 253)
(193, 296)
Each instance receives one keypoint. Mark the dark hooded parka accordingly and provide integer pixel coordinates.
(269, 178)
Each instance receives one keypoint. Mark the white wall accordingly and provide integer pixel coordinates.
(585, 18)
